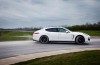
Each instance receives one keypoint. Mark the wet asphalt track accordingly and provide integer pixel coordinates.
(15, 48)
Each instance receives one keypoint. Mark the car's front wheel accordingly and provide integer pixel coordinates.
(44, 39)
(79, 40)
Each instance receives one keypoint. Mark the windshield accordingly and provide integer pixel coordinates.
(67, 29)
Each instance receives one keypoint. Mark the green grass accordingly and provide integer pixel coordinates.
(91, 32)
(11, 35)
(77, 58)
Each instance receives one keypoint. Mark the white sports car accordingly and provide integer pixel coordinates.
(46, 35)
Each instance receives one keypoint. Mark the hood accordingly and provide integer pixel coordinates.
(77, 33)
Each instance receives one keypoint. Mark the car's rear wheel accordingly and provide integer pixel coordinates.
(79, 40)
(44, 39)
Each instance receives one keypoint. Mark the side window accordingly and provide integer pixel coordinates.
(52, 30)
(61, 30)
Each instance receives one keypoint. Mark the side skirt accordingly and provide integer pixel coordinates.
(62, 41)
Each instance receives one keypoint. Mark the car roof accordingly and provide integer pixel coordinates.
(52, 27)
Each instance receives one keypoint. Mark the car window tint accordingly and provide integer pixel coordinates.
(52, 30)
(61, 30)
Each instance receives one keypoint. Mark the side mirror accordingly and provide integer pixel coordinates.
(67, 32)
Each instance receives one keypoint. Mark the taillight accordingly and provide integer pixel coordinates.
(36, 32)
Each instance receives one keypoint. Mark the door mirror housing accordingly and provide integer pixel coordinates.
(67, 32)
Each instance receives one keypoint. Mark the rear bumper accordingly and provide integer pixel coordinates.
(36, 37)
(34, 40)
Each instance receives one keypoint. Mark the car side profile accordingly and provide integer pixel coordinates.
(49, 34)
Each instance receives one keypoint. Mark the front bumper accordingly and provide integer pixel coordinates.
(87, 39)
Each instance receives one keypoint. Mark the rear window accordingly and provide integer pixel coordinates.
(52, 30)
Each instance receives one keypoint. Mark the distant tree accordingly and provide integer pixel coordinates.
(87, 26)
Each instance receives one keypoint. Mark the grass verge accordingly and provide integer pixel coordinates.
(11, 35)
(76, 58)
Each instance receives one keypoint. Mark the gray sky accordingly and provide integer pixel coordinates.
(37, 13)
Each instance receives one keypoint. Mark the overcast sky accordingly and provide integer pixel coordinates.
(37, 13)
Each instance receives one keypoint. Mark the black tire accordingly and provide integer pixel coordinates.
(44, 39)
(79, 40)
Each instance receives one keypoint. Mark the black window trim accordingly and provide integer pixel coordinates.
(52, 28)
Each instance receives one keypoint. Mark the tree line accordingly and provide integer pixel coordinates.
(87, 26)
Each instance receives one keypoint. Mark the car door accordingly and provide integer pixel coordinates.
(63, 35)
(52, 34)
